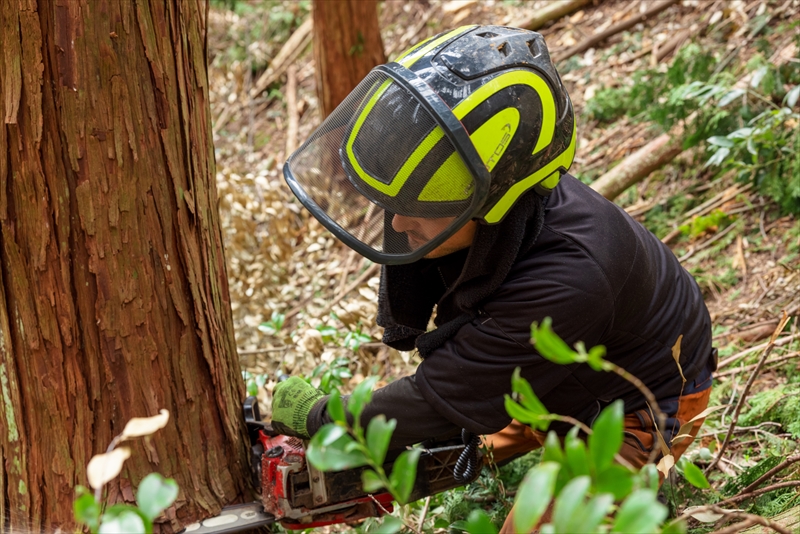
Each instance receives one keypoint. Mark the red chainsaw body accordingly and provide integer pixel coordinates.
(301, 497)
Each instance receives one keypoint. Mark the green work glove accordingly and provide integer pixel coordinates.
(292, 401)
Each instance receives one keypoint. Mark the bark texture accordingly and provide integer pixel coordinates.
(113, 294)
(347, 45)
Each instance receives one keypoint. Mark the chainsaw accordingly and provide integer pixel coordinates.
(299, 496)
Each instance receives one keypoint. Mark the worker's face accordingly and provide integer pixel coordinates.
(420, 231)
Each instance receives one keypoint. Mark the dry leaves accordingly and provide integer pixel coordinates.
(103, 468)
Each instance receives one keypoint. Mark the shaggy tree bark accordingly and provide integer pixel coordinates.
(347, 45)
(113, 296)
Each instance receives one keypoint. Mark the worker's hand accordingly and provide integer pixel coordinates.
(292, 401)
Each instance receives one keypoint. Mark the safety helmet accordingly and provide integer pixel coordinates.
(457, 128)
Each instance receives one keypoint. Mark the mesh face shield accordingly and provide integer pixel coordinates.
(391, 172)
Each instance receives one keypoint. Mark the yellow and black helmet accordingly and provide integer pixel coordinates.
(457, 128)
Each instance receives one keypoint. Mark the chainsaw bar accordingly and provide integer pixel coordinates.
(235, 518)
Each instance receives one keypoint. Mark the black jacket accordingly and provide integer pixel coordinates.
(604, 280)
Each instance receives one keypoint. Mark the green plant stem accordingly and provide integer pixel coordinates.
(386, 512)
(660, 416)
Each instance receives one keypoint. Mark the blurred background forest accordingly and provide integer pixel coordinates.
(694, 108)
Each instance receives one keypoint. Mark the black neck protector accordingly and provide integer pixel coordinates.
(458, 283)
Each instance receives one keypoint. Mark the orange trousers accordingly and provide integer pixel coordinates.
(640, 438)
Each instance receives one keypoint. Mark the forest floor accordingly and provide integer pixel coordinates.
(305, 304)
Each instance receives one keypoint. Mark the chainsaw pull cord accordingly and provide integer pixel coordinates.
(467, 464)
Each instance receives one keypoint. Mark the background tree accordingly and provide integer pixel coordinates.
(347, 45)
(113, 296)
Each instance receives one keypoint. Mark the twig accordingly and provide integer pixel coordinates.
(386, 512)
(742, 429)
(424, 513)
(739, 355)
(777, 469)
(752, 518)
(291, 110)
(614, 29)
(756, 493)
(708, 242)
(749, 521)
(782, 359)
(660, 416)
(746, 390)
(291, 49)
(261, 351)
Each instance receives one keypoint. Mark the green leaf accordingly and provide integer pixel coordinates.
(362, 394)
(695, 476)
(371, 481)
(404, 472)
(552, 449)
(718, 157)
(575, 451)
(569, 503)
(674, 527)
(390, 525)
(537, 421)
(527, 397)
(533, 495)
(720, 141)
(252, 388)
(123, 518)
(336, 407)
(758, 75)
(550, 346)
(328, 450)
(590, 517)
(640, 513)
(730, 96)
(479, 523)
(616, 480)
(86, 509)
(379, 432)
(606, 437)
(155, 494)
(791, 97)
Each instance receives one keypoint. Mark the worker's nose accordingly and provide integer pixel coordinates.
(402, 224)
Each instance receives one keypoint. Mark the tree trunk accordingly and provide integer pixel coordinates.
(113, 296)
(347, 45)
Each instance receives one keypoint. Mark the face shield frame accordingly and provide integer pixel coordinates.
(458, 136)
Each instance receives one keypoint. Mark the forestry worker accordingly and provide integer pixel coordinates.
(449, 166)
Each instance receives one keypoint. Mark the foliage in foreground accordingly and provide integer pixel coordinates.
(154, 494)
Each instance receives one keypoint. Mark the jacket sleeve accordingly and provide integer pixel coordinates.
(466, 379)
(417, 419)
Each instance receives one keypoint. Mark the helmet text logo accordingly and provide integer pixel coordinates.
(498, 152)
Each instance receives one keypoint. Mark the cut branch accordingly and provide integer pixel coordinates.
(614, 29)
(554, 11)
(647, 159)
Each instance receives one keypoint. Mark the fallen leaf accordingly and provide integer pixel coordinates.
(105, 467)
(706, 516)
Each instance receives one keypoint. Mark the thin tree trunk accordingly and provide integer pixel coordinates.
(113, 296)
(347, 45)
